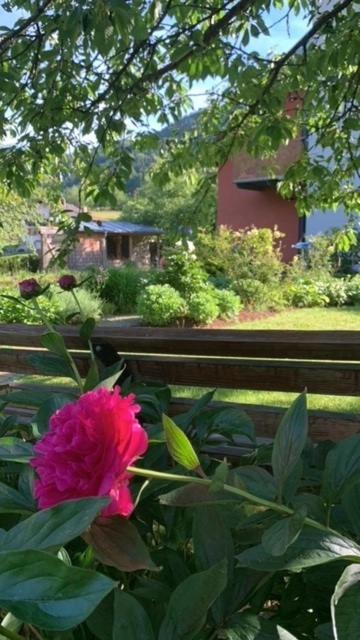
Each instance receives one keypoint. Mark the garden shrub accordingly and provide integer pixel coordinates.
(203, 307)
(122, 287)
(245, 254)
(91, 306)
(161, 305)
(11, 312)
(19, 262)
(353, 290)
(305, 293)
(184, 272)
(259, 296)
(336, 291)
(229, 304)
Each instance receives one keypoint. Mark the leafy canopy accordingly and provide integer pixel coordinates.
(84, 77)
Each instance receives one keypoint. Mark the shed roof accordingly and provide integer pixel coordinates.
(120, 228)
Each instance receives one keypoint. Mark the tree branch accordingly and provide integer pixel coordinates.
(6, 42)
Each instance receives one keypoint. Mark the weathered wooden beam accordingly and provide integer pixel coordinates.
(309, 345)
(265, 375)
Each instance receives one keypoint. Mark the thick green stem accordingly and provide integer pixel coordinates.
(7, 633)
(250, 497)
(49, 326)
(83, 319)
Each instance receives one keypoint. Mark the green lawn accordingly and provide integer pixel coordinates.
(307, 319)
(297, 319)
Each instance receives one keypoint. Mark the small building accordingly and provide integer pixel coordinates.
(106, 244)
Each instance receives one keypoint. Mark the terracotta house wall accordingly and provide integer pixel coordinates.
(89, 251)
(241, 208)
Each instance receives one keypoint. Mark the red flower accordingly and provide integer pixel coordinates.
(67, 282)
(87, 450)
(29, 288)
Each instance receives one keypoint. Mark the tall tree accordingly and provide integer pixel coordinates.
(87, 76)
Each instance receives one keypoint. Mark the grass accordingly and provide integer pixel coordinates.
(329, 319)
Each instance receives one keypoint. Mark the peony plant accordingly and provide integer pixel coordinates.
(117, 521)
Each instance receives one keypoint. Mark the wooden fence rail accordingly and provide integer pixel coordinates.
(324, 362)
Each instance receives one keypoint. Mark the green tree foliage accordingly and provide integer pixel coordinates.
(15, 212)
(89, 77)
(176, 206)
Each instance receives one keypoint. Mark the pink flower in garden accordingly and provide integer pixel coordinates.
(29, 288)
(67, 282)
(89, 445)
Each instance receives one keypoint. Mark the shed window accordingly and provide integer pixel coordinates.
(117, 247)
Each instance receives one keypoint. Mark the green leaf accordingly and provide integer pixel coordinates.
(53, 527)
(51, 365)
(234, 422)
(313, 547)
(179, 445)
(351, 505)
(285, 635)
(55, 343)
(117, 543)
(42, 590)
(345, 605)
(87, 328)
(92, 378)
(189, 603)
(283, 533)
(342, 469)
(15, 450)
(11, 501)
(254, 479)
(211, 549)
(130, 621)
(289, 441)
(219, 477)
(110, 375)
(185, 419)
(49, 407)
(193, 494)
(10, 623)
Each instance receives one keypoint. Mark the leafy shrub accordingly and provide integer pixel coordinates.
(305, 294)
(90, 304)
(19, 262)
(184, 272)
(257, 295)
(229, 304)
(336, 291)
(242, 255)
(122, 287)
(10, 311)
(161, 305)
(353, 290)
(203, 307)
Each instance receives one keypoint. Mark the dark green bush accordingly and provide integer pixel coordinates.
(203, 307)
(229, 304)
(353, 290)
(161, 305)
(122, 287)
(19, 262)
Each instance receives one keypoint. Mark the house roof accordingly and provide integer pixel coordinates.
(120, 228)
(257, 184)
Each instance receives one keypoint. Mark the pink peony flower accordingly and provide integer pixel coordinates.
(87, 449)
(29, 288)
(67, 282)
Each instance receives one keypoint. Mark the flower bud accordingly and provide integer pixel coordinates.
(29, 288)
(67, 282)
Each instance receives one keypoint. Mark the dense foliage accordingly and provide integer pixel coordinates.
(61, 75)
(263, 547)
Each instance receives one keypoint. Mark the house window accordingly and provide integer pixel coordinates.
(117, 247)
